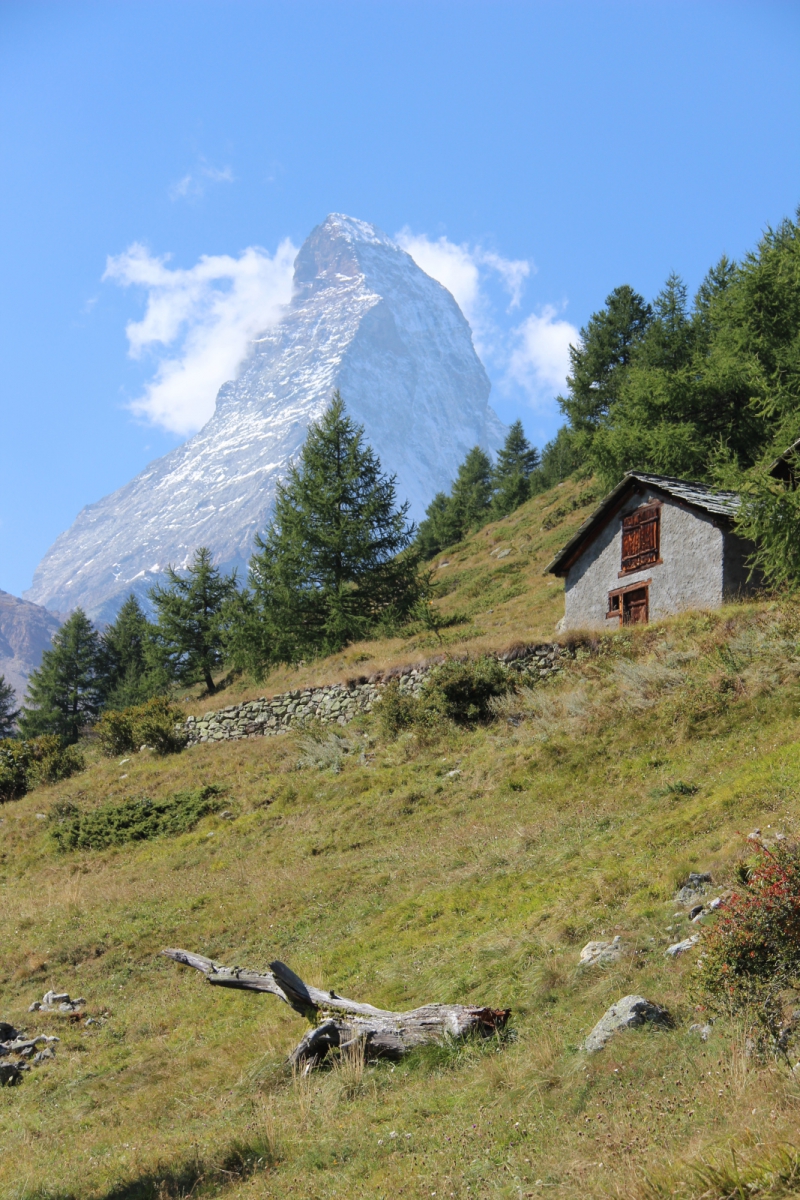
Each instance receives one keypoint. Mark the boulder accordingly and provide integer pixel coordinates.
(627, 1013)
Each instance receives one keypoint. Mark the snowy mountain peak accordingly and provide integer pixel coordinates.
(364, 319)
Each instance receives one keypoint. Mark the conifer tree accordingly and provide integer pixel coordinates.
(330, 566)
(440, 527)
(471, 495)
(516, 462)
(8, 714)
(63, 693)
(192, 615)
(128, 670)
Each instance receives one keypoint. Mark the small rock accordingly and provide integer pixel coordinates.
(453, 774)
(10, 1074)
(43, 1055)
(695, 912)
(715, 903)
(443, 564)
(679, 947)
(627, 1013)
(54, 997)
(227, 815)
(696, 885)
(704, 1031)
(7, 1032)
(600, 952)
(41, 816)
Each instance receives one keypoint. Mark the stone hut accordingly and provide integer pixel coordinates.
(655, 546)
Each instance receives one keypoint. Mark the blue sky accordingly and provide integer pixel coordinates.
(589, 144)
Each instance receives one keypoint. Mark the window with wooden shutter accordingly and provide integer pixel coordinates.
(641, 538)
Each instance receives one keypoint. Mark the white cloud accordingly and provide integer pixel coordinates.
(539, 359)
(194, 183)
(532, 356)
(207, 315)
(462, 269)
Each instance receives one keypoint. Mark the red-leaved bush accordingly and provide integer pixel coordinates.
(751, 955)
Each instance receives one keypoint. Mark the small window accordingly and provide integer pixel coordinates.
(641, 538)
(630, 605)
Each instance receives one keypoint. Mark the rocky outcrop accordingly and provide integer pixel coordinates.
(338, 703)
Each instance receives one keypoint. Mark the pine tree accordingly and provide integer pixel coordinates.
(516, 462)
(330, 567)
(192, 614)
(63, 693)
(128, 671)
(471, 494)
(8, 714)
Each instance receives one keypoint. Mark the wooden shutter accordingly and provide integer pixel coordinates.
(641, 537)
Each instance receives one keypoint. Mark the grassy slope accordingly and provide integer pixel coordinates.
(395, 882)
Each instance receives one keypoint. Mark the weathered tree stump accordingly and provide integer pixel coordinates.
(346, 1024)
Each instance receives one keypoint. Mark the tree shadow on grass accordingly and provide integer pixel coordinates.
(195, 1178)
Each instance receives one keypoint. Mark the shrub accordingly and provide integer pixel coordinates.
(158, 723)
(52, 761)
(463, 691)
(14, 760)
(132, 821)
(396, 711)
(751, 956)
(24, 764)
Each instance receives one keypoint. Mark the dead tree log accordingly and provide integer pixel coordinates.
(346, 1024)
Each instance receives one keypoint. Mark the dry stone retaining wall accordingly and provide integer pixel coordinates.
(338, 703)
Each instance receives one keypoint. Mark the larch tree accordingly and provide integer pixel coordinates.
(192, 614)
(516, 462)
(334, 562)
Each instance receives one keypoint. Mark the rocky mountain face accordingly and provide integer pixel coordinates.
(365, 319)
(25, 632)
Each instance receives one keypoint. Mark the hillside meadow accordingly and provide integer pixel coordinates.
(464, 865)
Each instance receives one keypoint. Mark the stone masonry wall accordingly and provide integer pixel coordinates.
(338, 703)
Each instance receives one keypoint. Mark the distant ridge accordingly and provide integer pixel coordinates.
(26, 631)
(365, 319)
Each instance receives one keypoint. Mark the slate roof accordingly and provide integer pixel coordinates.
(696, 495)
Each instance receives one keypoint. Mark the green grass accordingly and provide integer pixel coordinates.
(575, 815)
